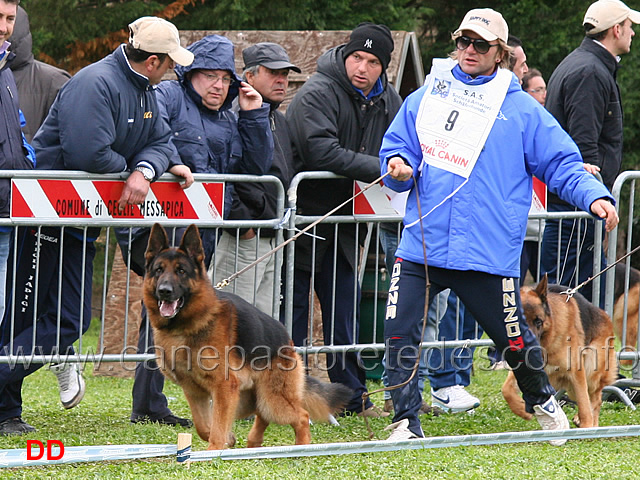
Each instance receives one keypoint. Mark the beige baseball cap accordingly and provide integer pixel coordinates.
(604, 14)
(156, 35)
(486, 22)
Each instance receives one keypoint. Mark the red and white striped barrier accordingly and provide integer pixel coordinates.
(54, 199)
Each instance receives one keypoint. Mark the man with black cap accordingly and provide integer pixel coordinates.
(266, 68)
(337, 121)
(584, 97)
(469, 195)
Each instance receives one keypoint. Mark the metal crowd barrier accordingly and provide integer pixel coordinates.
(371, 276)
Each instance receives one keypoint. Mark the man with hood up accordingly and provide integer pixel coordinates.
(337, 121)
(207, 137)
(38, 82)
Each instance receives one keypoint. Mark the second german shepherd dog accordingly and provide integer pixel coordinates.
(630, 339)
(577, 341)
(230, 359)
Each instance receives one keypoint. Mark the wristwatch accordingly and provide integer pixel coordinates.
(146, 172)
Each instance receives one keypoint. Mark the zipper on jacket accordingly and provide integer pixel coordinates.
(10, 92)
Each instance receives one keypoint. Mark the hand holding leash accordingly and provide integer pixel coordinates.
(605, 210)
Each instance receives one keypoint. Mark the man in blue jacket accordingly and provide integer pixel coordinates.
(472, 194)
(207, 137)
(104, 120)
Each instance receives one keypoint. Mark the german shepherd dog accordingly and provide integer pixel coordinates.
(230, 359)
(577, 340)
(633, 303)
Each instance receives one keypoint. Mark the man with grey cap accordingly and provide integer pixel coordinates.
(104, 120)
(337, 120)
(471, 191)
(584, 97)
(266, 68)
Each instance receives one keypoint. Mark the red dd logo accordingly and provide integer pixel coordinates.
(41, 450)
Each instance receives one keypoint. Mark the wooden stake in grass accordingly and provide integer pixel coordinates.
(184, 448)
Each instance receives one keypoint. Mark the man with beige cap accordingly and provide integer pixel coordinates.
(465, 146)
(104, 120)
(585, 99)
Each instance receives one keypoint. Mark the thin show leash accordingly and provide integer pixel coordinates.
(225, 282)
(569, 292)
(424, 319)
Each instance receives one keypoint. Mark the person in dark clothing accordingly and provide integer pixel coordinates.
(104, 120)
(337, 121)
(266, 68)
(38, 82)
(585, 99)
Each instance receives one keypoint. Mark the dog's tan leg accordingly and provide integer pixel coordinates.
(511, 394)
(225, 403)
(199, 402)
(301, 427)
(256, 435)
(585, 413)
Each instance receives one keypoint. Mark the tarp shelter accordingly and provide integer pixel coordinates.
(405, 69)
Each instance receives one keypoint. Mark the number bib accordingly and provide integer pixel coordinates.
(454, 119)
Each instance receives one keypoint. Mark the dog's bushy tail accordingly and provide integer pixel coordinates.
(322, 399)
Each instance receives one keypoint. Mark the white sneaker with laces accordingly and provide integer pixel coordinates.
(454, 399)
(400, 431)
(70, 383)
(551, 417)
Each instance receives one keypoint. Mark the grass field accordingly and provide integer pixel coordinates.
(103, 418)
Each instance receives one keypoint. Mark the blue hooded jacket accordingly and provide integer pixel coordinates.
(210, 141)
(482, 226)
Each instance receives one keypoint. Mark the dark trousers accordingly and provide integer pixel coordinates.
(49, 332)
(337, 320)
(494, 301)
(148, 399)
(576, 251)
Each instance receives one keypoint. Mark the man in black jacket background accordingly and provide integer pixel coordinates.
(337, 121)
(584, 97)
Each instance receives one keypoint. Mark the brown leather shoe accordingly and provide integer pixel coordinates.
(388, 406)
(426, 409)
(373, 412)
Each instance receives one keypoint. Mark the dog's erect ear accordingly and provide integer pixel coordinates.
(158, 241)
(192, 244)
(542, 287)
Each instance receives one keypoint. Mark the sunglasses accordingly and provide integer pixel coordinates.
(479, 45)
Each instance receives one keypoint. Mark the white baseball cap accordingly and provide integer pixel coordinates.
(604, 14)
(486, 22)
(156, 35)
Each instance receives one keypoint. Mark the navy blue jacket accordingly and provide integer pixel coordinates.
(210, 141)
(13, 156)
(104, 120)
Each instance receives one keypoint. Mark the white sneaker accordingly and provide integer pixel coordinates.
(551, 417)
(454, 399)
(400, 431)
(70, 383)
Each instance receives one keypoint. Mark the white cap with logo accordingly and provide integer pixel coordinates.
(156, 35)
(486, 22)
(604, 14)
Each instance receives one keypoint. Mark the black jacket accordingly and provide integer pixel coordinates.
(585, 99)
(258, 201)
(38, 83)
(334, 128)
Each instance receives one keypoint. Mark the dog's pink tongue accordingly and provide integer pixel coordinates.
(168, 309)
